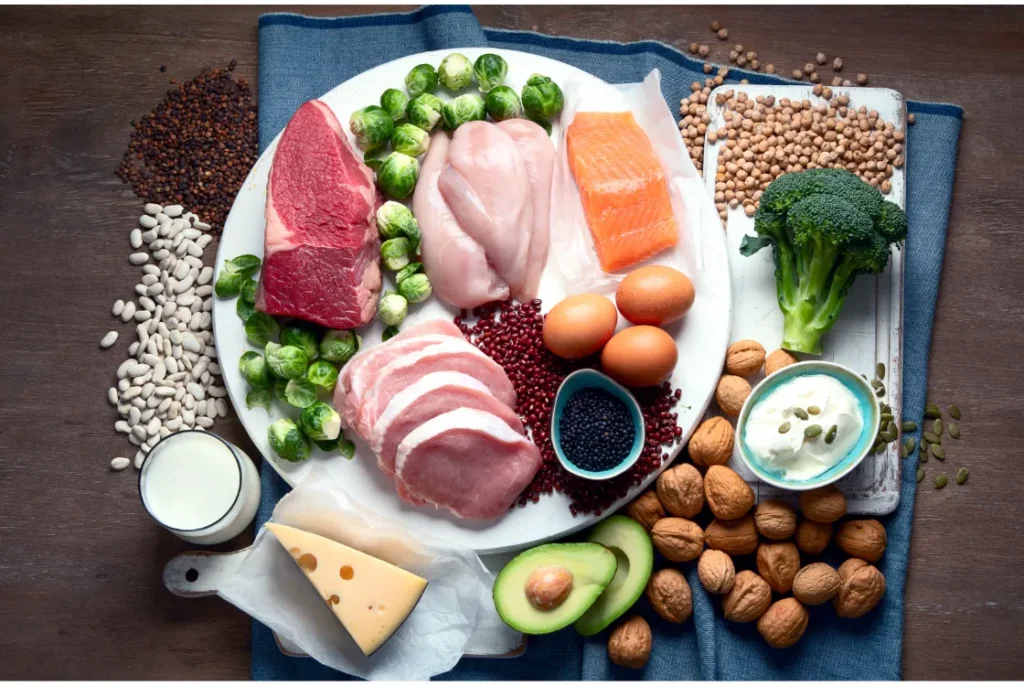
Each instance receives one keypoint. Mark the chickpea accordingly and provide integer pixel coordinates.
(716, 26)
(820, 58)
(707, 68)
(693, 48)
(723, 34)
(797, 74)
(703, 50)
(769, 69)
(837, 64)
(862, 79)
(808, 68)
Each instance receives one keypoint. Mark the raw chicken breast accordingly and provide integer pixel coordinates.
(468, 462)
(433, 395)
(456, 264)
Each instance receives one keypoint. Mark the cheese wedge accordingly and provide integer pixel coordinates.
(371, 598)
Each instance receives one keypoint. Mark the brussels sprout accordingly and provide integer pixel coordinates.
(300, 392)
(278, 389)
(258, 397)
(372, 126)
(546, 125)
(389, 332)
(407, 271)
(345, 447)
(415, 288)
(329, 446)
(395, 219)
(246, 305)
(244, 309)
(425, 111)
(320, 422)
(392, 309)
(375, 158)
(542, 98)
(455, 72)
(410, 139)
(323, 374)
(468, 107)
(260, 329)
(254, 369)
(397, 176)
(421, 79)
(502, 103)
(394, 102)
(229, 284)
(288, 441)
(303, 337)
(246, 265)
(490, 71)
(286, 361)
(339, 346)
(395, 253)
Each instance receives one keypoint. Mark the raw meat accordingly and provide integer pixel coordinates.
(321, 249)
(622, 186)
(433, 395)
(468, 462)
(456, 264)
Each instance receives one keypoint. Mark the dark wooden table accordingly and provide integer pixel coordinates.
(80, 563)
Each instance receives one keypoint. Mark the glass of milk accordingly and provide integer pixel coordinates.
(199, 487)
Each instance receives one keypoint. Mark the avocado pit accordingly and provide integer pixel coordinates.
(547, 587)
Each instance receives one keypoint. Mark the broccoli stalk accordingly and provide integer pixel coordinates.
(826, 227)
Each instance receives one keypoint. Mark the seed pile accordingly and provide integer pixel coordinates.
(931, 444)
(196, 147)
(597, 430)
(171, 380)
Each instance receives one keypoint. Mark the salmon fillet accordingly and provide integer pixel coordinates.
(623, 188)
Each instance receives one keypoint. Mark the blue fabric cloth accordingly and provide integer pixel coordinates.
(301, 58)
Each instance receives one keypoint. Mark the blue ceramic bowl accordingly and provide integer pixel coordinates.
(589, 378)
(866, 400)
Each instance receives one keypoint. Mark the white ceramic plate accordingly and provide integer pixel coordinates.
(702, 338)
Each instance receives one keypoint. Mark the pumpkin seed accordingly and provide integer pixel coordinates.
(938, 452)
(903, 452)
(800, 412)
(920, 475)
(954, 412)
(929, 405)
(941, 480)
(909, 427)
(937, 427)
(910, 444)
(813, 409)
(922, 456)
(880, 370)
(876, 384)
(881, 448)
(812, 431)
(954, 430)
(932, 438)
(894, 430)
(880, 392)
(783, 427)
(831, 435)
(961, 476)
(886, 418)
(932, 414)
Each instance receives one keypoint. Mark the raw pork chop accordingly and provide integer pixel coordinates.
(467, 461)
(321, 247)
(450, 356)
(429, 397)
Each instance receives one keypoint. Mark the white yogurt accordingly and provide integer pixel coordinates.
(791, 452)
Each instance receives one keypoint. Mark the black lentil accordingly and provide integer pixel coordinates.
(597, 430)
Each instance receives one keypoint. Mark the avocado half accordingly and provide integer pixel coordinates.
(592, 567)
(634, 556)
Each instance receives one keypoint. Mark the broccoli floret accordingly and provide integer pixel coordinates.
(825, 226)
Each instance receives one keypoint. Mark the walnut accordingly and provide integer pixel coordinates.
(744, 358)
(783, 623)
(816, 583)
(716, 571)
(678, 539)
(775, 519)
(749, 597)
(711, 443)
(863, 538)
(825, 504)
(728, 495)
(778, 563)
(861, 587)
(735, 537)
(681, 490)
(646, 509)
(669, 595)
(730, 394)
(812, 537)
(548, 587)
(630, 643)
(777, 360)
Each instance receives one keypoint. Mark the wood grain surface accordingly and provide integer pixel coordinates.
(80, 592)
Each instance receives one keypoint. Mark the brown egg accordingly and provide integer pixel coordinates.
(580, 325)
(654, 295)
(640, 356)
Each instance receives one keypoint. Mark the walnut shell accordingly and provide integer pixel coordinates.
(744, 358)
(783, 623)
(629, 644)
(748, 599)
(669, 595)
(861, 587)
(777, 360)
(812, 537)
(863, 538)
(646, 509)
(775, 519)
(681, 490)
(733, 537)
(678, 539)
(728, 495)
(711, 443)
(730, 394)
(816, 583)
(716, 571)
(825, 504)
(778, 563)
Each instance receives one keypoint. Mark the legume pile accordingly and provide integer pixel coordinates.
(597, 430)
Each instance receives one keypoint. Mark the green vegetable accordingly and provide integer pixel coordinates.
(339, 346)
(258, 397)
(455, 72)
(229, 284)
(490, 71)
(372, 126)
(248, 292)
(395, 253)
(542, 98)
(425, 111)
(388, 333)
(546, 125)
(288, 441)
(375, 158)
(323, 374)
(278, 389)
(303, 337)
(468, 107)
(410, 139)
(246, 305)
(421, 79)
(260, 329)
(345, 447)
(394, 102)
(320, 422)
(825, 226)
(244, 309)
(407, 271)
(392, 309)
(415, 288)
(254, 369)
(246, 265)
(395, 219)
(502, 103)
(286, 361)
(300, 392)
(329, 446)
(397, 176)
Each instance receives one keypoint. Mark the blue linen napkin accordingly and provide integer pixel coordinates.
(301, 58)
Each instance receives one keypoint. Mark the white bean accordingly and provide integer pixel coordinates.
(152, 440)
(122, 426)
(108, 340)
(119, 463)
(205, 276)
(112, 396)
(140, 289)
(122, 371)
(179, 393)
(185, 300)
(147, 415)
(173, 424)
(196, 324)
(189, 342)
(153, 208)
(203, 241)
(159, 371)
(169, 308)
(118, 308)
(182, 248)
(192, 234)
(200, 407)
(188, 417)
(217, 391)
(175, 337)
(195, 390)
(173, 411)
(194, 249)
(184, 284)
(173, 211)
(153, 427)
(133, 348)
(164, 405)
(176, 352)
(172, 366)
(188, 402)
(165, 391)
(208, 305)
(138, 402)
(184, 314)
(165, 228)
(128, 311)
(147, 302)
(139, 432)
(222, 407)
(164, 432)
(147, 222)
(152, 402)
(204, 291)
(149, 279)
(202, 226)
(131, 393)
(147, 389)
(205, 422)
(138, 258)
(142, 315)
(156, 245)
(155, 289)
(151, 269)
(135, 238)
(205, 319)
(134, 416)
(150, 349)
(152, 326)
(137, 369)
(142, 380)
(150, 236)
(205, 378)
(123, 385)
(211, 408)
(161, 254)
(140, 457)
(214, 367)
(134, 440)
(194, 261)
(150, 360)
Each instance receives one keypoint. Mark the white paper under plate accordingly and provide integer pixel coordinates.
(870, 328)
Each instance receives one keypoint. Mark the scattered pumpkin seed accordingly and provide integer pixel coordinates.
(880, 370)
(910, 444)
(937, 427)
(954, 412)
(938, 452)
(903, 452)
(922, 456)
(812, 431)
(800, 412)
(932, 438)
(813, 409)
(961, 476)
(880, 392)
(783, 427)
(894, 430)
(920, 475)
(831, 435)
(909, 427)
(876, 384)
(941, 480)
(932, 411)
(886, 417)
(881, 447)
(954, 430)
